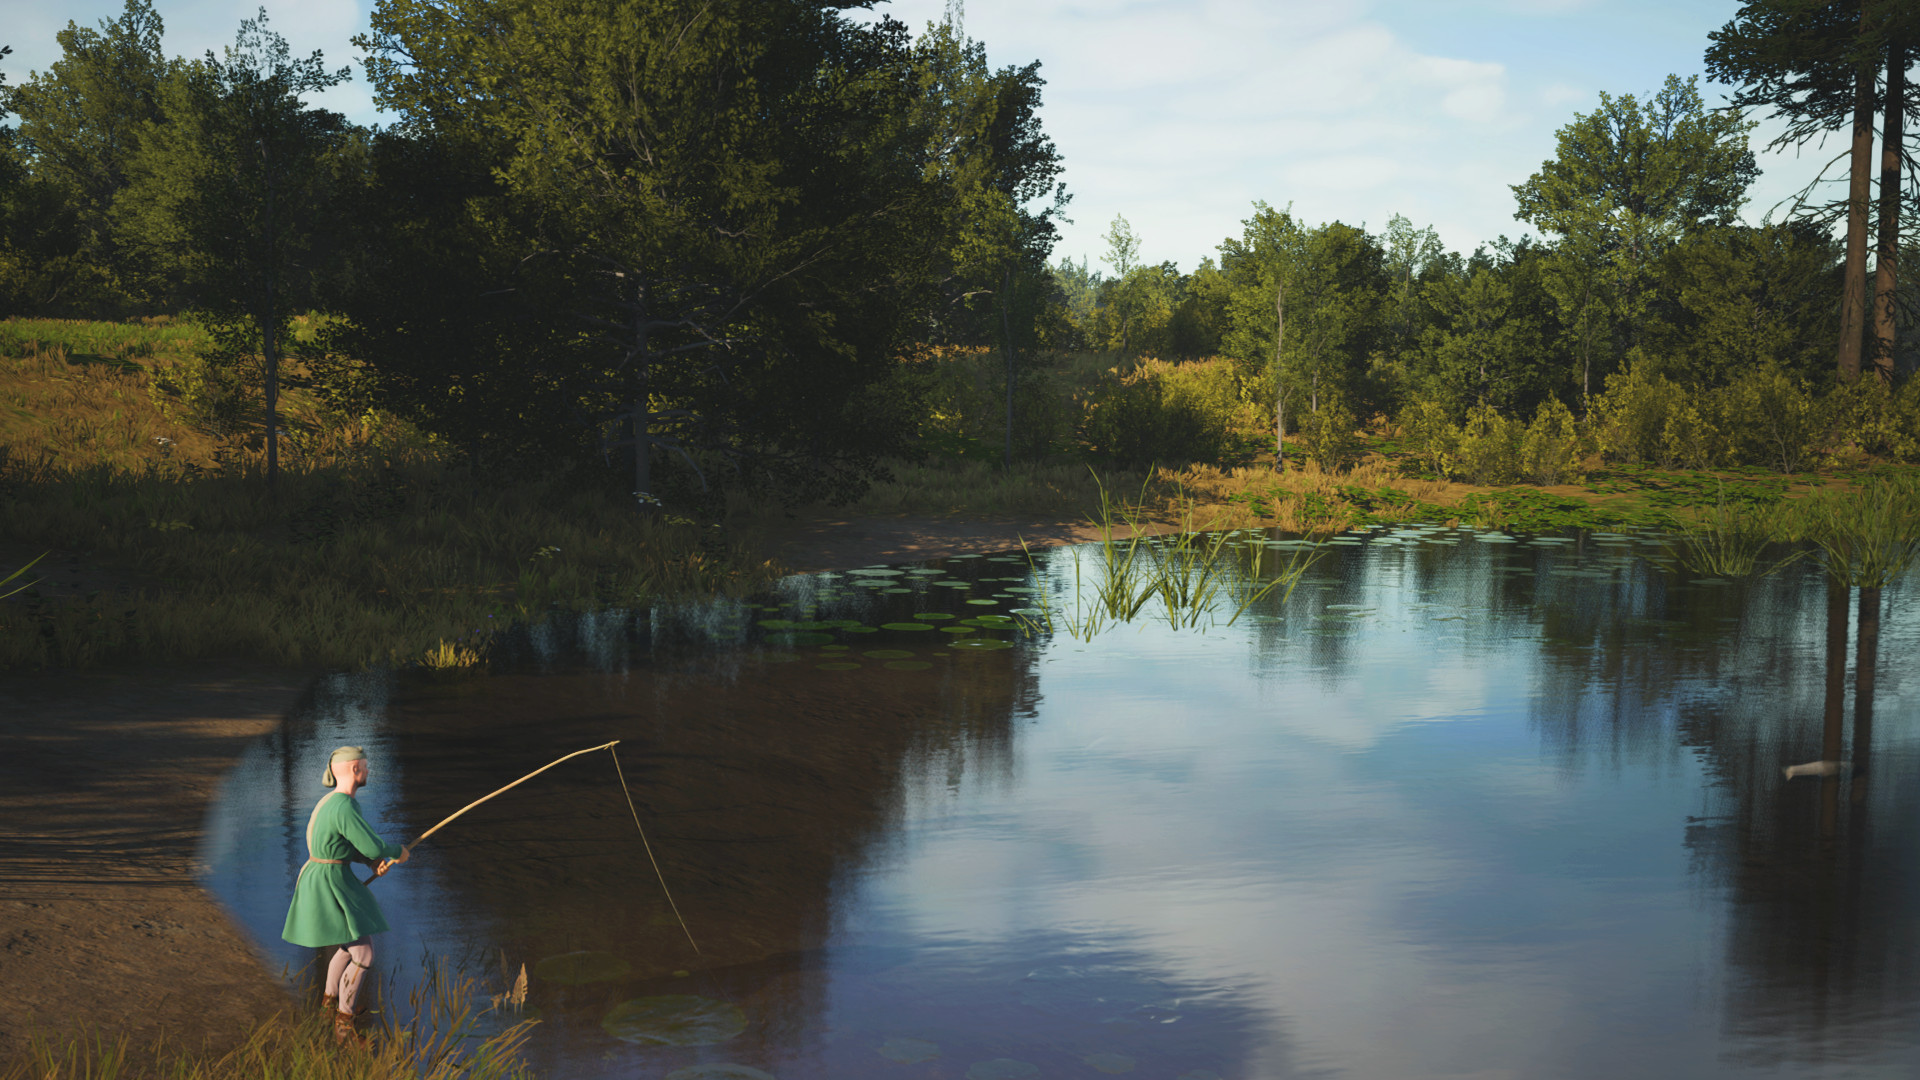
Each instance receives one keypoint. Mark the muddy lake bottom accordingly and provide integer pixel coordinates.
(1463, 804)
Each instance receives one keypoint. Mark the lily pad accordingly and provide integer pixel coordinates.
(987, 603)
(777, 624)
(906, 665)
(839, 665)
(888, 654)
(1113, 1064)
(675, 1020)
(981, 643)
(908, 1051)
(722, 1071)
(861, 630)
(876, 571)
(958, 629)
(578, 968)
(1001, 1069)
(904, 626)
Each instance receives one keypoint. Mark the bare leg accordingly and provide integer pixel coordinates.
(359, 957)
(336, 967)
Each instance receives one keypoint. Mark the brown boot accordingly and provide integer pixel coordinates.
(330, 1003)
(347, 1034)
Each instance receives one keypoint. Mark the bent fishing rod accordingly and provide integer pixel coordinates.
(380, 870)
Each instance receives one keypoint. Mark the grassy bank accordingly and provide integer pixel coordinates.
(447, 1041)
(163, 541)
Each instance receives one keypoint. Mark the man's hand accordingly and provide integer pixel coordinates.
(381, 870)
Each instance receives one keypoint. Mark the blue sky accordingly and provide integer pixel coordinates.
(1180, 113)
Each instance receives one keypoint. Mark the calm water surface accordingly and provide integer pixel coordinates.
(1458, 807)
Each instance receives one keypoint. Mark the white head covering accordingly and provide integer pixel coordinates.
(344, 754)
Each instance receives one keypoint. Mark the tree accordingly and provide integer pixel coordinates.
(711, 223)
(79, 130)
(1627, 181)
(229, 193)
(1813, 63)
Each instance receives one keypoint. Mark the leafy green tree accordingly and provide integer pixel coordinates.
(710, 224)
(1627, 181)
(1303, 312)
(79, 129)
(1413, 259)
(1744, 299)
(1199, 324)
(231, 194)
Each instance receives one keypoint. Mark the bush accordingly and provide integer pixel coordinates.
(1326, 435)
(1162, 412)
(1770, 416)
(208, 394)
(1631, 417)
(1488, 449)
(1550, 449)
(1879, 420)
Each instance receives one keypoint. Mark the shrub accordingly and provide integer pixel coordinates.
(1771, 417)
(1430, 434)
(1326, 435)
(1630, 418)
(1881, 421)
(1550, 449)
(1166, 413)
(210, 395)
(1488, 450)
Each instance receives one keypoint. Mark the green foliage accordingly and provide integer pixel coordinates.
(1726, 539)
(1327, 435)
(1628, 181)
(1550, 450)
(1164, 412)
(209, 393)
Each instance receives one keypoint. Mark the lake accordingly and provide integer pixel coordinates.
(1462, 805)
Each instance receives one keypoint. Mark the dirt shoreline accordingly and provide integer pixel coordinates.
(105, 780)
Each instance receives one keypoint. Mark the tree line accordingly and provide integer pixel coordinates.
(699, 238)
(693, 235)
(1644, 262)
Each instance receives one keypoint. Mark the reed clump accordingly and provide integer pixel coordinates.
(1868, 535)
(1728, 539)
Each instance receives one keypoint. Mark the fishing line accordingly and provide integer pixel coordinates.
(622, 774)
(381, 870)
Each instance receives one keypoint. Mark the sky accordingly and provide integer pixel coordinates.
(1180, 114)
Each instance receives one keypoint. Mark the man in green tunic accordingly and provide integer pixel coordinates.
(330, 906)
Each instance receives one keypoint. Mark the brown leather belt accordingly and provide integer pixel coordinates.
(326, 862)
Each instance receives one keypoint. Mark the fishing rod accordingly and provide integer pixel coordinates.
(380, 870)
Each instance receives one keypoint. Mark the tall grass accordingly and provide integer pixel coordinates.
(447, 1040)
(1869, 535)
(1194, 571)
(1726, 540)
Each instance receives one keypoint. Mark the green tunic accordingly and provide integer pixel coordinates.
(330, 906)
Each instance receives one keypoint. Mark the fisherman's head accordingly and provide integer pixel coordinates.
(346, 761)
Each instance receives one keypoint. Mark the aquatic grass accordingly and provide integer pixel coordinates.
(1190, 570)
(447, 1040)
(1727, 539)
(1868, 535)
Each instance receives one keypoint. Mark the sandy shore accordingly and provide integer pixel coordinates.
(104, 783)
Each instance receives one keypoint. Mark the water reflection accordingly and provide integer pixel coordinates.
(1420, 820)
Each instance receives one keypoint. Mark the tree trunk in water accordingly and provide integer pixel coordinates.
(1886, 260)
(1865, 668)
(1830, 736)
(1853, 297)
(1006, 330)
(1279, 382)
(1836, 701)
